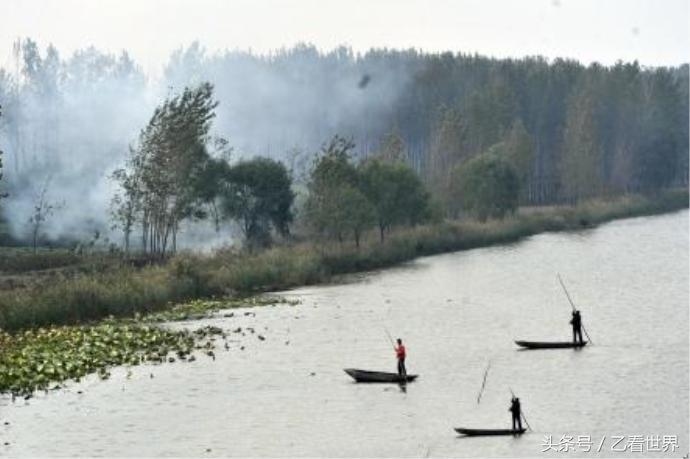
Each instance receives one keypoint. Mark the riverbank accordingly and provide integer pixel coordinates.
(454, 313)
(127, 291)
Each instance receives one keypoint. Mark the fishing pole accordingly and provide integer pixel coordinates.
(389, 337)
(481, 391)
(522, 413)
(573, 306)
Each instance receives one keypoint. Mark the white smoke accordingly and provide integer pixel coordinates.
(72, 120)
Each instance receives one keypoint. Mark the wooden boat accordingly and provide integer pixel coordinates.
(486, 432)
(550, 345)
(364, 376)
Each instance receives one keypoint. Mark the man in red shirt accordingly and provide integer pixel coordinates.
(401, 354)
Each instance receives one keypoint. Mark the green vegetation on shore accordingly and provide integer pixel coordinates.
(127, 291)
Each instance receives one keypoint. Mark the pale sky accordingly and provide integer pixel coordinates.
(654, 32)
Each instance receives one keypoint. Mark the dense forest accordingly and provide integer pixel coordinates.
(438, 135)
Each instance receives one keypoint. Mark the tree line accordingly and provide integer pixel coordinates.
(530, 131)
(171, 175)
(174, 173)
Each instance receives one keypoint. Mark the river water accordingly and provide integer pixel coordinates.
(288, 396)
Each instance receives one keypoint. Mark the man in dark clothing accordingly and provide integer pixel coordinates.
(576, 322)
(517, 415)
(400, 353)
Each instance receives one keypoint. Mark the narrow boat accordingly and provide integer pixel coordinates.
(486, 432)
(364, 376)
(550, 345)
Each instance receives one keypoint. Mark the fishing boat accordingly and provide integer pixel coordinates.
(364, 376)
(487, 432)
(550, 345)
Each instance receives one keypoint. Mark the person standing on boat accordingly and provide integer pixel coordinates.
(576, 322)
(516, 412)
(400, 353)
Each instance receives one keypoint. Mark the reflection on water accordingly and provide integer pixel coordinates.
(288, 395)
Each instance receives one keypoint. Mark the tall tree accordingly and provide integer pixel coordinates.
(447, 147)
(486, 186)
(332, 174)
(257, 193)
(126, 203)
(396, 193)
(168, 162)
(518, 150)
(659, 155)
(43, 209)
(582, 165)
(392, 147)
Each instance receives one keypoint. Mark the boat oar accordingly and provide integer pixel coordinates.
(481, 391)
(522, 413)
(573, 306)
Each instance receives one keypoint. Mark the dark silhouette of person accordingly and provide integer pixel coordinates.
(576, 322)
(517, 414)
(401, 353)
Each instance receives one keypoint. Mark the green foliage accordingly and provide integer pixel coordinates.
(34, 359)
(396, 193)
(333, 166)
(582, 175)
(258, 194)
(629, 134)
(354, 210)
(392, 149)
(347, 199)
(487, 186)
(661, 152)
(332, 175)
(126, 204)
(491, 111)
(448, 146)
(126, 292)
(162, 184)
(519, 151)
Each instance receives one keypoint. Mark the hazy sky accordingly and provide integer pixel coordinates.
(655, 32)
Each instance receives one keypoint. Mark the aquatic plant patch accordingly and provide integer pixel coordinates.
(38, 359)
(200, 308)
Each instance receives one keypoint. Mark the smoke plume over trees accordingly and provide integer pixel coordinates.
(560, 130)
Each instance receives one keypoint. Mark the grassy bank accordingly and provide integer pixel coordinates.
(128, 291)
